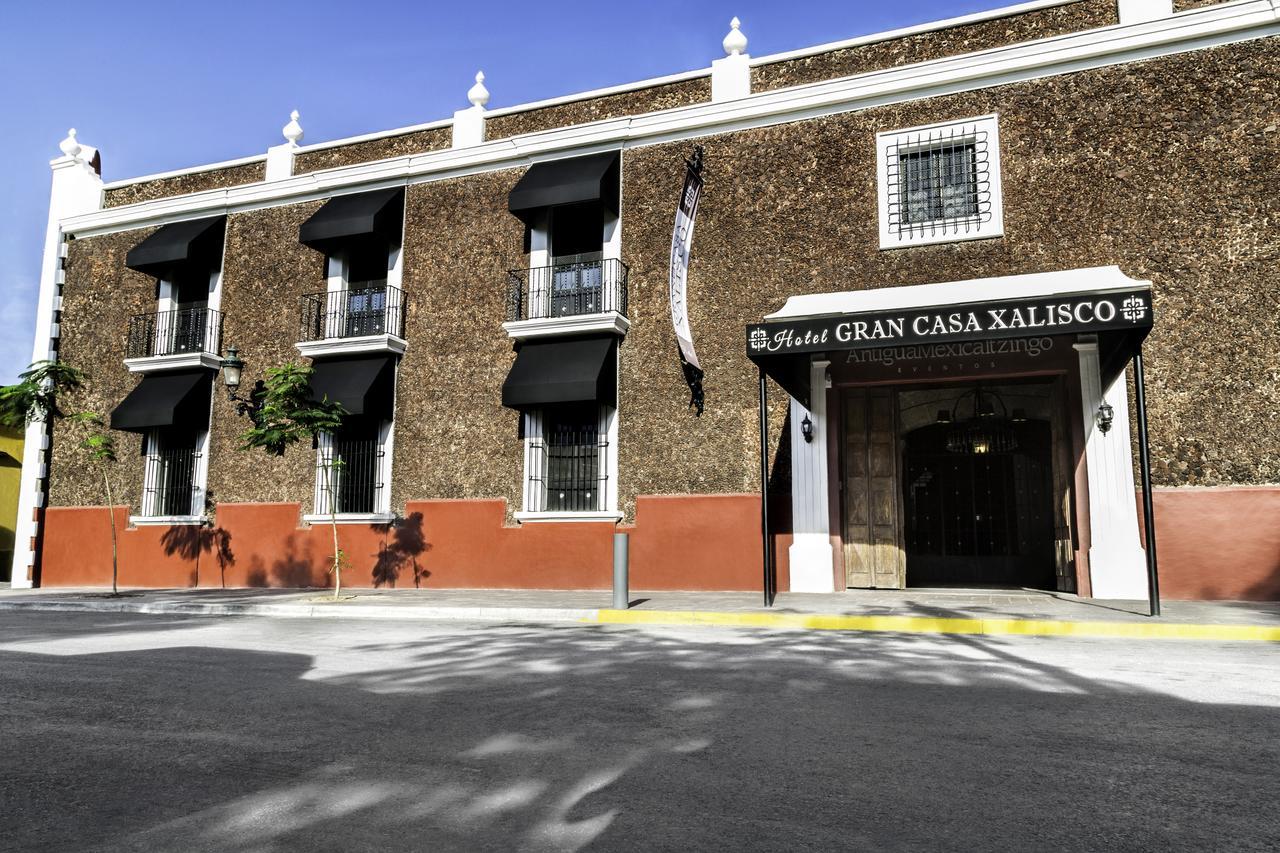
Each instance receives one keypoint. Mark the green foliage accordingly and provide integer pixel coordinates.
(288, 412)
(99, 443)
(35, 395)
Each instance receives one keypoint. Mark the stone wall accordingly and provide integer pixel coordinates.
(637, 102)
(416, 142)
(935, 44)
(212, 179)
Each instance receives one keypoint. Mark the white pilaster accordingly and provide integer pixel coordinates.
(1117, 563)
(468, 124)
(731, 76)
(77, 189)
(1140, 11)
(811, 554)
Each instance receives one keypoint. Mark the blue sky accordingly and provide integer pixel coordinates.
(164, 85)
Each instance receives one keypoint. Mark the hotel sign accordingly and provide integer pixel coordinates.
(1059, 315)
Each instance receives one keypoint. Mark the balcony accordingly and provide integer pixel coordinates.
(367, 317)
(588, 295)
(168, 340)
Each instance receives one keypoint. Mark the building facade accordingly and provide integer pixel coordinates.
(943, 245)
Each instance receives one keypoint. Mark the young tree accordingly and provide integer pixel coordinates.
(287, 415)
(34, 397)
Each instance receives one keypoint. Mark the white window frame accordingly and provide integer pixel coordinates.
(907, 140)
(199, 492)
(535, 476)
(382, 513)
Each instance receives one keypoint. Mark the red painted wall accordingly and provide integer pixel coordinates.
(1213, 544)
(684, 542)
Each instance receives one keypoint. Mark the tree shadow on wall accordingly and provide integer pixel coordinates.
(190, 541)
(400, 555)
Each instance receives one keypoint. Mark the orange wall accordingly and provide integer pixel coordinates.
(1213, 543)
(685, 542)
(1221, 543)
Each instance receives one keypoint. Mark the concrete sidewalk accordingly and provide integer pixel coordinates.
(960, 611)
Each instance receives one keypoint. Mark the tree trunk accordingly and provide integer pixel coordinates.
(111, 511)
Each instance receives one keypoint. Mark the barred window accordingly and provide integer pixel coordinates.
(171, 473)
(940, 183)
(350, 469)
(567, 461)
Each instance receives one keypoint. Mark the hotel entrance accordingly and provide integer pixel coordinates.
(962, 484)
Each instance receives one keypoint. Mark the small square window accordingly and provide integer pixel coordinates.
(940, 183)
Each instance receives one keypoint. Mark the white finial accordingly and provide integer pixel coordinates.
(735, 42)
(292, 131)
(478, 95)
(70, 147)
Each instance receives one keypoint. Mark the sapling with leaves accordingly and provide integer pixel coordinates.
(287, 415)
(34, 397)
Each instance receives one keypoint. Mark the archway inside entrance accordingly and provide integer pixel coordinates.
(977, 486)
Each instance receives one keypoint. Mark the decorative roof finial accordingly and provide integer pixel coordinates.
(70, 147)
(735, 42)
(478, 95)
(292, 131)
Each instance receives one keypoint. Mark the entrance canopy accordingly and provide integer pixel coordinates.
(1096, 300)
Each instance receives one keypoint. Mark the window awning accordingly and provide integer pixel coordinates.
(576, 370)
(354, 217)
(180, 398)
(1097, 300)
(196, 240)
(363, 385)
(569, 181)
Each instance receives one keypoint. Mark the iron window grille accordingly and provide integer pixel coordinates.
(574, 285)
(186, 330)
(568, 460)
(349, 474)
(363, 308)
(940, 182)
(170, 475)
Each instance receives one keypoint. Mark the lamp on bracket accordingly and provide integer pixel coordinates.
(232, 368)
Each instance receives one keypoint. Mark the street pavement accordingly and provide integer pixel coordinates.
(156, 733)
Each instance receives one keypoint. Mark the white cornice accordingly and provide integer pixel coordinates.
(1191, 30)
(610, 322)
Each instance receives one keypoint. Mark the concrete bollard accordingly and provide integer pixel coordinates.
(621, 597)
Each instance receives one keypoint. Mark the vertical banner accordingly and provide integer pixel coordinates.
(681, 243)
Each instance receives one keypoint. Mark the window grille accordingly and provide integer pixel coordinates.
(170, 468)
(568, 460)
(939, 182)
(349, 475)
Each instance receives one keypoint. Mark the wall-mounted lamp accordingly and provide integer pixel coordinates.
(806, 429)
(232, 368)
(1105, 416)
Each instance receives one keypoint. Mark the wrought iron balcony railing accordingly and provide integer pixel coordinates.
(365, 308)
(566, 290)
(186, 330)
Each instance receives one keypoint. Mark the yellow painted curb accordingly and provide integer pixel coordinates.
(932, 625)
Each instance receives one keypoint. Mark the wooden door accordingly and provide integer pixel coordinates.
(873, 548)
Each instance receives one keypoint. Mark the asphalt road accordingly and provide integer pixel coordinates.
(155, 734)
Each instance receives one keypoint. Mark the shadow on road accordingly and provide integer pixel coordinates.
(216, 735)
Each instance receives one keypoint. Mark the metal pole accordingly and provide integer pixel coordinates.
(767, 546)
(621, 596)
(1144, 461)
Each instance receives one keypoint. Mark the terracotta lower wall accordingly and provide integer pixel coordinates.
(1213, 544)
(1218, 543)
(696, 542)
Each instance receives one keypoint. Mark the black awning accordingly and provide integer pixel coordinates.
(180, 398)
(576, 370)
(577, 179)
(193, 241)
(354, 217)
(364, 385)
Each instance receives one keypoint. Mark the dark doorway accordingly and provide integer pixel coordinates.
(979, 513)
